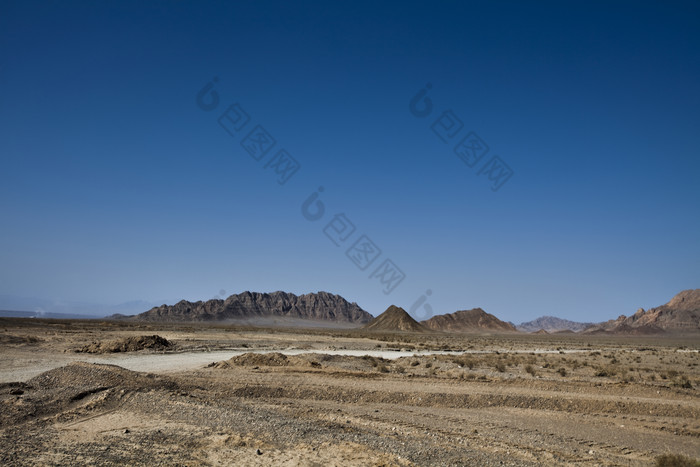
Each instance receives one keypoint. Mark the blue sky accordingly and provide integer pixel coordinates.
(116, 186)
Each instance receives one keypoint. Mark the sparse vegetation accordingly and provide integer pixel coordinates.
(606, 371)
(676, 460)
(682, 382)
(531, 370)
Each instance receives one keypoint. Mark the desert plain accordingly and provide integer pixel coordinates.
(108, 393)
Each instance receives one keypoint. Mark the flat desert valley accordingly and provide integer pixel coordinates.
(109, 393)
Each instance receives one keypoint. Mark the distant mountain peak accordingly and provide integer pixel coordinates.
(552, 324)
(395, 319)
(472, 320)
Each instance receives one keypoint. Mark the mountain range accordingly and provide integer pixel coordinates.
(680, 314)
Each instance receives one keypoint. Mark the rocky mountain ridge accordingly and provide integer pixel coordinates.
(680, 314)
(321, 306)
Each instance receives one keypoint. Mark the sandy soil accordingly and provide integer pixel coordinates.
(342, 398)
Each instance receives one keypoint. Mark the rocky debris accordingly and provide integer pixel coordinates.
(395, 319)
(552, 324)
(322, 306)
(258, 359)
(468, 321)
(340, 363)
(130, 344)
(58, 389)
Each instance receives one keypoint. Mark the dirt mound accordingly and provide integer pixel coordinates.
(58, 389)
(87, 374)
(263, 359)
(130, 344)
(306, 360)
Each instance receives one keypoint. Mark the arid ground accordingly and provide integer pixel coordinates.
(211, 397)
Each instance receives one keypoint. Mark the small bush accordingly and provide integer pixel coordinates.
(415, 363)
(500, 366)
(562, 371)
(606, 371)
(682, 382)
(469, 363)
(530, 369)
(676, 460)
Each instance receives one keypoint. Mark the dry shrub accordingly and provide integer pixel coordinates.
(682, 382)
(676, 460)
(606, 371)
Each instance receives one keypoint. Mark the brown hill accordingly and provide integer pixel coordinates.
(680, 315)
(394, 319)
(321, 306)
(468, 321)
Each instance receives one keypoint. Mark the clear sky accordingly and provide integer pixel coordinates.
(117, 183)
